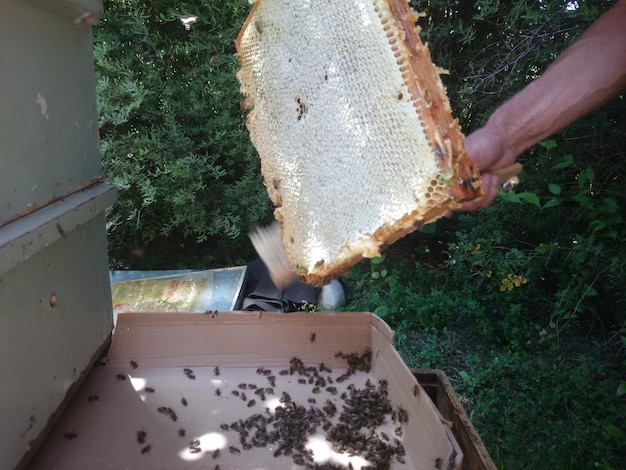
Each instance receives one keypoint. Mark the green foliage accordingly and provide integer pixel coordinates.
(172, 134)
(545, 406)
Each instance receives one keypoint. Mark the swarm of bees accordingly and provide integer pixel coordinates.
(288, 428)
(352, 429)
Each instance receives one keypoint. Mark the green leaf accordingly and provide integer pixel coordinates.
(614, 431)
(381, 311)
(621, 389)
(554, 188)
(583, 200)
(531, 198)
(548, 144)
(429, 229)
(553, 202)
(564, 163)
(511, 196)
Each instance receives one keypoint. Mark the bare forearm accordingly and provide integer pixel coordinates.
(588, 74)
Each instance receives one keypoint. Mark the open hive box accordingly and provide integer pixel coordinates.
(251, 391)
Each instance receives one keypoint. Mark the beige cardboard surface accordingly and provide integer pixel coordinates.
(100, 428)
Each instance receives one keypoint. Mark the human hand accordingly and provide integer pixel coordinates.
(488, 149)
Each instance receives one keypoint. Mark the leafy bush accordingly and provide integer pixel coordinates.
(172, 134)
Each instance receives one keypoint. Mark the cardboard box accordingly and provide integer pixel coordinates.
(161, 378)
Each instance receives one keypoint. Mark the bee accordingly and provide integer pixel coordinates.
(191, 377)
(252, 386)
(214, 314)
(400, 459)
(416, 390)
(384, 436)
(133, 364)
(149, 390)
(87, 18)
(216, 371)
(311, 400)
(302, 381)
(269, 390)
(235, 392)
(398, 431)
(243, 386)
(218, 392)
(183, 401)
(323, 368)
(316, 390)
(120, 377)
(285, 398)
(216, 453)
(284, 372)
(272, 380)
(141, 437)
(181, 432)
(251, 403)
(438, 463)
(64, 235)
(234, 450)
(224, 427)
(70, 436)
(329, 408)
(93, 398)
(260, 371)
(187, 371)
(331, 390)
(403, 416)
(146, 449)
(312, 337)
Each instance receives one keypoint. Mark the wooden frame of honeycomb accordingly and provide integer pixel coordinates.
(351, 121)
